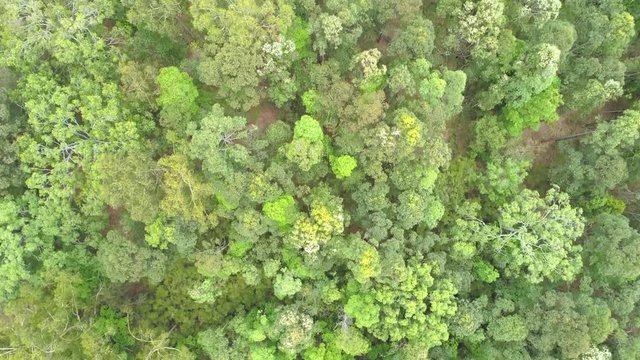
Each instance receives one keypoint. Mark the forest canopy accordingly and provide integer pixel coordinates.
(320, 180)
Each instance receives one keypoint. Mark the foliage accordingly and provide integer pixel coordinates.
(538, 234)
(307, 147)
(282, 210)
(343, 165)
(604, 159)
(540, 107)
(177, 98)
(319, 180)
(124, 261)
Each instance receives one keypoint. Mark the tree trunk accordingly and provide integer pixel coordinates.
(569, 137)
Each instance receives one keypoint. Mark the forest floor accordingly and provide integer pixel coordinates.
(541, 146)
(114, 220)
(263, 115)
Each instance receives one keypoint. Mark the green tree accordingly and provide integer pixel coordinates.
(124, 261)
(612, 250)
(185, 195)
(177, 99)
(217, 142)
(363, 309)
(12, 254)
(129, 181)
(604, 158)
(532, 73)
(234, 59)
(508, 328)
(537, 238)
(541, 107)
(476, 24)
(286, 285)
(307, 147)
(413, 41)
(503, 179)
(10, 174)
(593, 73)
(282, 210)
(157, 15)
(351, 341)
(343, 165)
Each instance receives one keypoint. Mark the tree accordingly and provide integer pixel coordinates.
(597, 353)
(413, 41)
(295, 330)
(10, 174)
(587, 320)
(130, 181)
(533, 72)
(363, 309)
(503, 179)
(593, 73)
(612, 250)
(537, 237)
(185, 195)
(478, 24)
(282, 210)
(216, 143)
(404, 312)
(286, 285)
(415, 208)
(12, 254)
(540, 11)
(124, 261)
(156, 15)
(44, 321)
(177, 99)
(603, 159)
(370, 76)
(364, 259)
(508, 328)
(541, 107)
(490, 136)
(327, 29)
(351, 341)
(233, 49)
(343, 165)
(326, 220)
(307, 147)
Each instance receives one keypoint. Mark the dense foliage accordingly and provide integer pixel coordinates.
(320, 180)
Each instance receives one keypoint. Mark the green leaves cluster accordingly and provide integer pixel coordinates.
(319, 180)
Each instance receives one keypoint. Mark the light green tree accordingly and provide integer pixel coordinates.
(307, 147)
(343, 165)
(177, 99)
(282, 210)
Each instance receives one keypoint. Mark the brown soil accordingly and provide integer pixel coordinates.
(459, 134)
(263, 115)
(114, 220)
(540, 146)
(109, 23)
